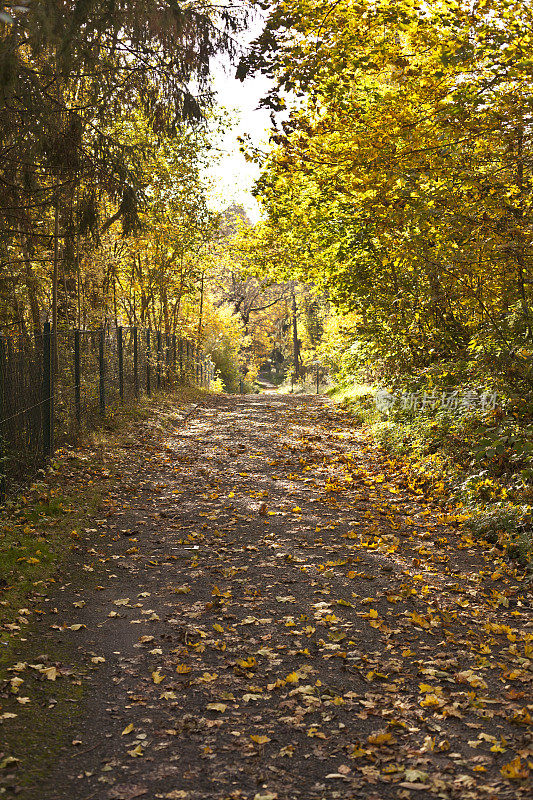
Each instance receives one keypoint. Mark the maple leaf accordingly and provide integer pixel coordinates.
(515, 770)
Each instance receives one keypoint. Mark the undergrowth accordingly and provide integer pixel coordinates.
(483, 461)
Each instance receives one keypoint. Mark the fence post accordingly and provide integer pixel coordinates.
(48, 392)
(158, 371)
(317, 379)
(120, 352)
(148, 365)
(3, 449)
(135, 363)
(241, 387)
(174, 358)
(168, 360)
(77, 375)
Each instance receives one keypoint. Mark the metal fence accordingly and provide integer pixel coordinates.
(51, 388)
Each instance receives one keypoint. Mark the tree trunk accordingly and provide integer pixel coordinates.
(295, 342)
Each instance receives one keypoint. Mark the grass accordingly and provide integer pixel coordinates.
(41, 729)
(35, 530)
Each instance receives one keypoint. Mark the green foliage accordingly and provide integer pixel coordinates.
(508, 525)
(225, 357)
(478, 461)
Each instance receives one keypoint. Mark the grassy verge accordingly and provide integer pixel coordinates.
(481, 461)
(39, 526)
(39, 541)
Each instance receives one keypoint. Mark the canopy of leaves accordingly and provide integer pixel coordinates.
(401, 178)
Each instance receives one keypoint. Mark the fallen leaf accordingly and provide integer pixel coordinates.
(221, 707)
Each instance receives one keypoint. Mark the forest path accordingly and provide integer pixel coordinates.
(283, 616)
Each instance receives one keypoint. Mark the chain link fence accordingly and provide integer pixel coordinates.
(52, 388)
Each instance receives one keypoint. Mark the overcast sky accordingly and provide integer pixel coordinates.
(233, 176)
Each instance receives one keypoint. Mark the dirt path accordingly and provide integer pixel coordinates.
(282, 616)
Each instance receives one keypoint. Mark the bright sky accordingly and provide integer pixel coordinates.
(233, 176)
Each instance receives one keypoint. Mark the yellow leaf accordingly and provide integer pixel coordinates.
(432, 701)
(218, 628)
(183, 669)
(416, 619)
(296, 509)
(292, 677)
(221, 707)
(50, 672)
(313, 732)
(207, 677)
(156, 677)
(260, 739)
(515, 770)
(137, 751)
(247, 663)
(127, 729)
(381, 738)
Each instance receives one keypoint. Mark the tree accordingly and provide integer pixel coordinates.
(67, 70)
(402, 175)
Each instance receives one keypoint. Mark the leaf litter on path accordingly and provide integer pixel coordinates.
(335, 633)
